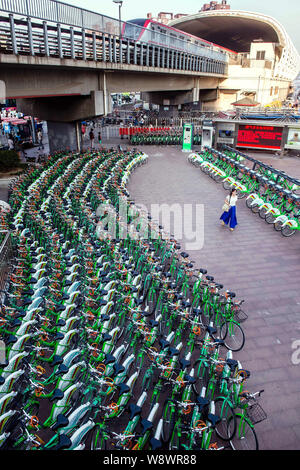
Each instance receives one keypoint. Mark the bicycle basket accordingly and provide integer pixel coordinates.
(239, 315)
(256, 414)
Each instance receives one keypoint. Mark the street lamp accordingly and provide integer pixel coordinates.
(120, 3)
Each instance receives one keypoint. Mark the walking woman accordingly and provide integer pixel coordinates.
(229, 214)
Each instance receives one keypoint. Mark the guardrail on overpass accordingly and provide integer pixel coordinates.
(47, 28)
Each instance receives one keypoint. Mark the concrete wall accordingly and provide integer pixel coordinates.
(62, 136)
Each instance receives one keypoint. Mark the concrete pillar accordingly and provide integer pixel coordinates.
(63, 136)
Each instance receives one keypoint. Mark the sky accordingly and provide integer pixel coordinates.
(287, 12)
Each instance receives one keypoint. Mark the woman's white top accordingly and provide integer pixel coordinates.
(233, 200)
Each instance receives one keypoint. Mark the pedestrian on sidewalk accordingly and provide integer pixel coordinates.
(92, 137)
(229, 208)
(99, 137)
(40, 139)
(10, 142)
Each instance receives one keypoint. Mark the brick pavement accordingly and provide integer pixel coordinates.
(258, 264)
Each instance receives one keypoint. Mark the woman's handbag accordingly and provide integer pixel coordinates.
(226, 207)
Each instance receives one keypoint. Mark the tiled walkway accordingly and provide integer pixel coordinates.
(258, 264)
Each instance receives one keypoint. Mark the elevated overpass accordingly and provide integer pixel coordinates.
(62, 63)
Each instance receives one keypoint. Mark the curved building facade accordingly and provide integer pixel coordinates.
(266, 60)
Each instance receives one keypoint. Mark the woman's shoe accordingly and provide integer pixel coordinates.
(232, 229)
(222, 223)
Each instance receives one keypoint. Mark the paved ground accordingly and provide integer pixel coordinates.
(257, 263)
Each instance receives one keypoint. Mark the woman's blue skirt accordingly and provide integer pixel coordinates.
(230, 216)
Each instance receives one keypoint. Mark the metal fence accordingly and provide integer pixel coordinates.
(64, 14)
(24, 37)
(6, 253)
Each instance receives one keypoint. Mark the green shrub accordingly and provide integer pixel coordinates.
(9, 159)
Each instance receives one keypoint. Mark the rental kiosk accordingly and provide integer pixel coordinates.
(187, 137)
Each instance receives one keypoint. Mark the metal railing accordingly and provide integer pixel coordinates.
(55, 29)
(26, 37)
(62, 13)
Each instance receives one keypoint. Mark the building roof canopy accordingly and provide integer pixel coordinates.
(234, 32)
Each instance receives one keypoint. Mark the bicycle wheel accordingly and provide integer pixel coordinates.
(201, 375)
(226, 413)
(206, 314)
(255, 208)
(168, 415)
(95, 439)
(278, 225)
(263, 212)
(226, 185)
(287, 231)
(151, 301)
(245, 436)
(179, 439)
(269, 218)
(147, 380)
(233, 335)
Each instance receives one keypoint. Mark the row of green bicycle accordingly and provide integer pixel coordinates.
(94, 320)
(276, 201)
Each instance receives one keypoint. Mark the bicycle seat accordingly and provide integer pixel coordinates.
(61, 422)
(231, 294)
(101, 303)
(184, 254)
(210, 278)
(211, 330)
(57, 395)
(173, 352)
(220, 286)
(64, 442)
(153, 323)
(29, 292)
(104, 317)
(61, 322)
(197, 311)
(164, 343)
(146, 313)
(202, 401)
(106, 337)
(184, 363)
(62, 369)
(186, 303)
(203, 271)
(56, 360)
(134, 410)
(109, 359)
(190, 379)
(118, 368)
(146, 425)
(58, 336)
(232, 363)
(60, 308)
(17, 322)
(219, 342)
(213, 419)
(155, 443)
(123, 387)
(11, 340)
